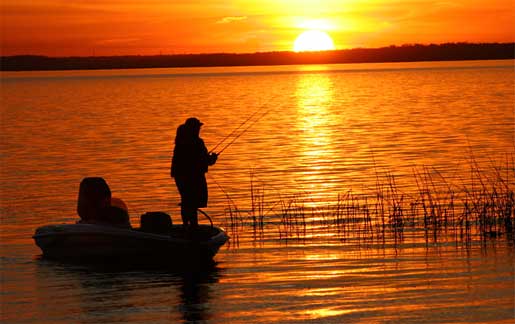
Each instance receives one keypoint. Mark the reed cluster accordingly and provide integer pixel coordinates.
(482, 206)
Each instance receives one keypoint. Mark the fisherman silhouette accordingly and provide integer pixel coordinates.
(190, 163)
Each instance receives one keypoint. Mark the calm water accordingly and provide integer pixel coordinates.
(325, 130)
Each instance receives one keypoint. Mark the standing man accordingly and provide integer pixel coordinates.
(190, 163)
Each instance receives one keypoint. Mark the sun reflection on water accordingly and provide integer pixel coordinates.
(324, 312)
(315, 96)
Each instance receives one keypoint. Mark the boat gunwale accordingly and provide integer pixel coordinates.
(126, 232)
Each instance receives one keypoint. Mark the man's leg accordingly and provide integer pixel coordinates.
(194, 218)
(189, 216)
(185, 216)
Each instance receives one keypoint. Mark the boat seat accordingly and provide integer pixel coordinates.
(156, 222)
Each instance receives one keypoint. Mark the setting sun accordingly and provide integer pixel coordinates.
(313, 40)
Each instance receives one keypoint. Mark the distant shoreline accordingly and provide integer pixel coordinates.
(404, 53)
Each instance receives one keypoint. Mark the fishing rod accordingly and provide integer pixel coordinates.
(236, 129)
(245, 130)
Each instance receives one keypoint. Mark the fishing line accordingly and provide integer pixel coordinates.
(222, 189)
(246, 121)
(245, 130)
(207, 216)
(236, 129)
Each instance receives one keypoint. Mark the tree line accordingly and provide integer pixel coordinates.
(404, 53)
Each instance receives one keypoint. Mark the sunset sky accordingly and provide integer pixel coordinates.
(126, 27)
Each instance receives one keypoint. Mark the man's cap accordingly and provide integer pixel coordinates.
(192, 121)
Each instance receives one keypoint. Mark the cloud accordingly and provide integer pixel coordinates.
(228, 20)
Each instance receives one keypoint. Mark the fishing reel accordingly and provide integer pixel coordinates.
(213, 157)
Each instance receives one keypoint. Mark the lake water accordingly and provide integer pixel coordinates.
(321, 133)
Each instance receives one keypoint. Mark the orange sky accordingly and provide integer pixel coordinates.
(126, 27)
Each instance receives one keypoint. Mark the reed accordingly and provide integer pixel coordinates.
(257, 211)
(234, 225)
(482, 206)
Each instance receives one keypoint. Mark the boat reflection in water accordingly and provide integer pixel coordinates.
(111, 292)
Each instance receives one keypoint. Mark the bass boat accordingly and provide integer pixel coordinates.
(84, 241)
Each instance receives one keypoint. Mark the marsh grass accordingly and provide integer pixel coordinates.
(464, 209)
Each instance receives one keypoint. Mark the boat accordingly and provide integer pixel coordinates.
(86, 241)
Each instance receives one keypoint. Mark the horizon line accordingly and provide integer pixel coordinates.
(264, 52)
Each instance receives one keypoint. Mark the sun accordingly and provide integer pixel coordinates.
(313, 40)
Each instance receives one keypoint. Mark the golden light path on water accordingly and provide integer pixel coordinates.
(314, 97)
